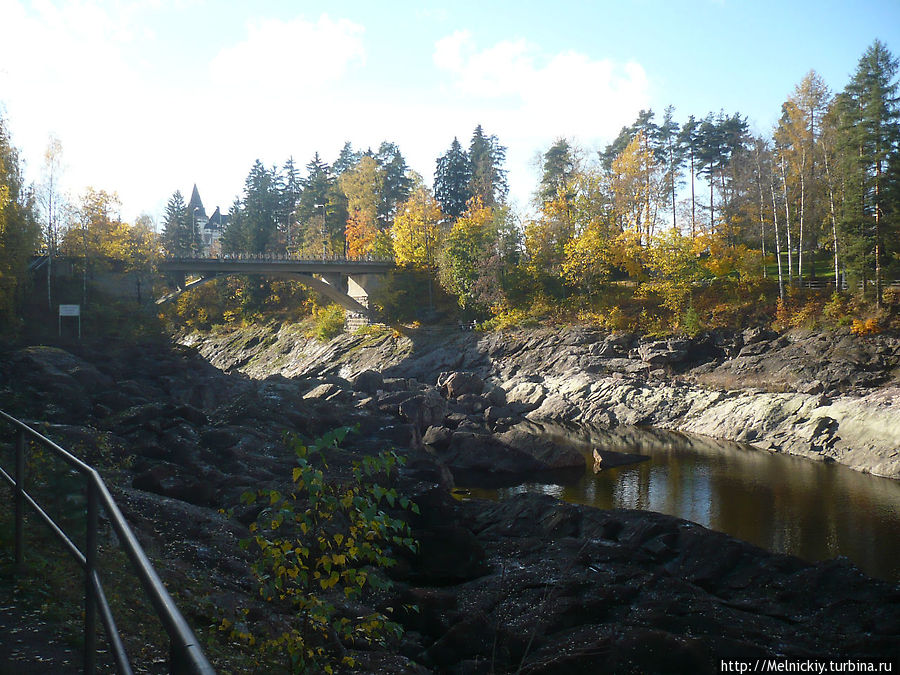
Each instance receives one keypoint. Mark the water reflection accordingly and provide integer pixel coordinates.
(786, 504)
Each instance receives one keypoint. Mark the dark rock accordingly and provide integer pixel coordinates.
(424, 410)
(219, 439)
(662, 352)
(447, 554)
(469, 637)
(551, 455)
(191, 414)
(472, 402)
(494, 395)
(395, 384)
(460, 384)
(495, 413)
(171, 481)
(439, 437)
(323, 391)
(480, 458)
(368, 381)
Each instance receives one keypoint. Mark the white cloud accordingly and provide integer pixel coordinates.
(64, 73)
(529, 97)
(288, 55)
(566, 94)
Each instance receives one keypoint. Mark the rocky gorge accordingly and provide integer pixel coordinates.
(529, 584)
(825, 396)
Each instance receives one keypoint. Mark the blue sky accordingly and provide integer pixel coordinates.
(155, 95)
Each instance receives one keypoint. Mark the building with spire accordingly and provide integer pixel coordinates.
(209, 228)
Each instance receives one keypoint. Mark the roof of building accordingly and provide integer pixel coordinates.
(217, 220)
(196, 203)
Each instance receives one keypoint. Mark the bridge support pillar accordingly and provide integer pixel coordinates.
(360, 287)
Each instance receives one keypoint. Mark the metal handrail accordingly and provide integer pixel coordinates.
(185, 654)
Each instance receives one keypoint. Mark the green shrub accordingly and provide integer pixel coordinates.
(328, 322)
(319, 544)
(690, 323)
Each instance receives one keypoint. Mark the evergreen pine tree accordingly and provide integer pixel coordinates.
(451, 181)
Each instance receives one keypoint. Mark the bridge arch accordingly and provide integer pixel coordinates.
(347, 282)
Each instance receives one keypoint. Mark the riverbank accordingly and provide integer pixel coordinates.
(529, 584)
(826, 396)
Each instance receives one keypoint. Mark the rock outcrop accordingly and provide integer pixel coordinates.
(830, 397)
(529, 584)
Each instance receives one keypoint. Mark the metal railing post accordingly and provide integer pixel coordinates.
(20, 500)
(90, 605)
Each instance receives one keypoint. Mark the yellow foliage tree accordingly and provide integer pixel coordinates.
(588, 258)
(637, 188)
(416, 231)
(362, 184)
(102, 237)
(466, 248)
(361, 232)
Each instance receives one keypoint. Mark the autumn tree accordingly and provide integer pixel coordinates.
(643, 124)
(20, 231)
(416, 230)
(636, 182)
(798, 136)
(362, 185)
(469, 261)
(52, 206)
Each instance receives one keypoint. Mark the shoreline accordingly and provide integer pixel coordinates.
(583, 376)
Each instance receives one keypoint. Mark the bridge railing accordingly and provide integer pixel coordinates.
(185, 654)
(281, 257)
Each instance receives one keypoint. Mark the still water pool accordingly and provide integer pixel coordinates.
(809, 509)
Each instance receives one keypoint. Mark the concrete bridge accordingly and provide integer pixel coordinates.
(347, 281)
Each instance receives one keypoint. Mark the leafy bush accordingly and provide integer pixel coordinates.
(321, 538)
(690, 322)
(328, 322)
(504, 318)
(861, 327)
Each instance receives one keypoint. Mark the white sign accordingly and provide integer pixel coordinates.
(70, 310)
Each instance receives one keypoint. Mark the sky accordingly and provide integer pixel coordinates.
(152, 96)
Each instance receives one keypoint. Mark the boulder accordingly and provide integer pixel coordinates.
(460, 384)
(506, 457)
(323, 391)
(663, 352)
(472, 403)
(551, 455)
(170, 480)
(368, 381)
(438, 437)
(494, 395)
(525, 396)
(424, 410)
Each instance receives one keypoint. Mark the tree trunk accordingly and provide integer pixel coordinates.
(787, 224)
(837, 280)
(878, 279)
(800, 233)
(762, 221)
(777, 240)
(672, 179)
(693, 200)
